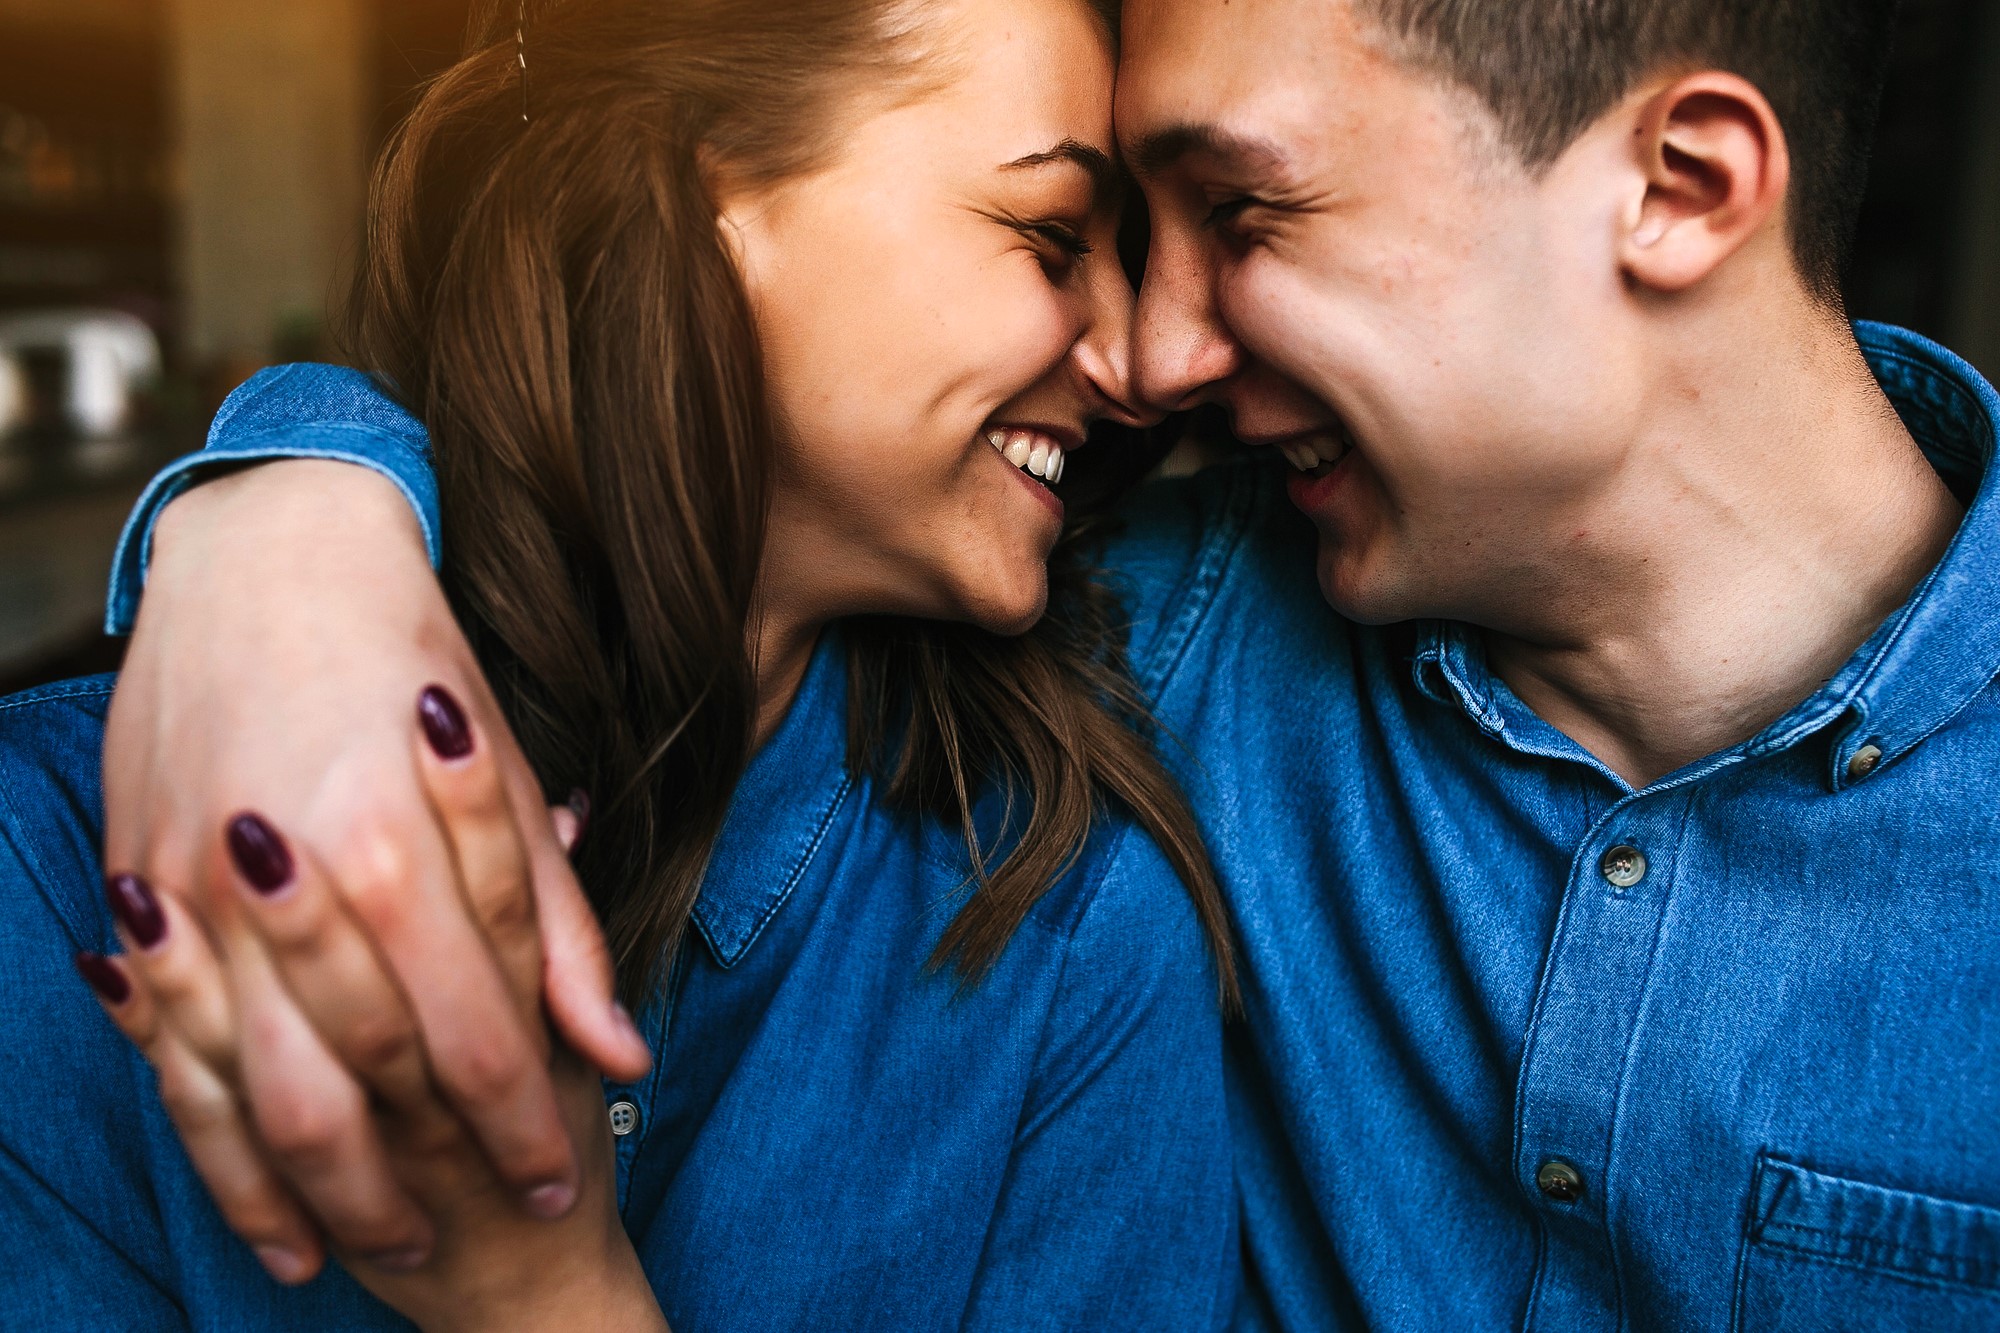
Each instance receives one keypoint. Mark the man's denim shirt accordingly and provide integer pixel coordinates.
(1528, 1048)
(833, 1136)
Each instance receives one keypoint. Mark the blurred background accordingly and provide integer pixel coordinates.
(181, 183)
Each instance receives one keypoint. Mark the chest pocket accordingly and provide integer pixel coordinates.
(1826, 1255)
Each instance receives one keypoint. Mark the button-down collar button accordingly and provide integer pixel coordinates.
(624, 1117)
(1623, 866)
(1559, 1181)
(1865, 761)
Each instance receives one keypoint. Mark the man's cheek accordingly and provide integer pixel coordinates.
(1267, 311)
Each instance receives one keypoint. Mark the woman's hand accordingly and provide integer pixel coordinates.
(292, 994)
(289, 621)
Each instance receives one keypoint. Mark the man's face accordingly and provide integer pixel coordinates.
(1346, 257)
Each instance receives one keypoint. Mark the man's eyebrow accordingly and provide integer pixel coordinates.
(1106, 181)
(1162, 148)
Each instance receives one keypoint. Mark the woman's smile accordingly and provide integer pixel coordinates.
(1036, 457)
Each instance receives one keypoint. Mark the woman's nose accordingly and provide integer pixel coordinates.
(1104, 353)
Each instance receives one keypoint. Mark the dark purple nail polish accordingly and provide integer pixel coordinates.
(579, 805)
(259, 853)
(104, 977)
(444, 723)
(133, 903)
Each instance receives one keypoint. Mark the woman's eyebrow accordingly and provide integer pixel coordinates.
(1106, 180)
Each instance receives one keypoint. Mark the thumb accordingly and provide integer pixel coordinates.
(577, 983)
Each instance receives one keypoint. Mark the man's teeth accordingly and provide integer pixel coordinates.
(1031, 451)
(1309, 453)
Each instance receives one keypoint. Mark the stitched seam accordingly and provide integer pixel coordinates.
(55, 693)
(170, 1297)
(1787, 1254)
(791, 881)
(1875, 1243)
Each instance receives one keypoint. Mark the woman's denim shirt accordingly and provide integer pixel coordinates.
(833, 1136)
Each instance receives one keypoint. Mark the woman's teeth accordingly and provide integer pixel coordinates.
(1031, 451)
(1312, 453)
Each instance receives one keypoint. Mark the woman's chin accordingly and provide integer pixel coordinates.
(1010, 612)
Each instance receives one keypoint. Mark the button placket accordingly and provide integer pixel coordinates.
(1593, 986)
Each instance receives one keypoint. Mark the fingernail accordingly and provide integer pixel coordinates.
(283, 1264)
(405, 1260)
(624, 1017)
(104, 977)
(579, 805)
(444, 723)
(259, 853)
(550, 1201)
(133, 903)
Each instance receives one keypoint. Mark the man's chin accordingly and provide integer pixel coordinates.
(1349, 590)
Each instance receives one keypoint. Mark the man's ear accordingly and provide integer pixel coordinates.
(1716, 170)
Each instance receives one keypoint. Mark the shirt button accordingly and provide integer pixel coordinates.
(1623, 866)
(624, 1117)
(1865, 761)
(1559, 1181)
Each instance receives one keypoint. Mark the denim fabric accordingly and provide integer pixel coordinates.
(833, 1137)
(351, 422)
(1773, 1061)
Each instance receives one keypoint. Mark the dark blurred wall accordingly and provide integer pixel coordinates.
(1928, 252)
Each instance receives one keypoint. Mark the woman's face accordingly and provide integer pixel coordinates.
(942, 313)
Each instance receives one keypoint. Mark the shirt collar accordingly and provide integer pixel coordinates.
(781, 812)
(1917, 670)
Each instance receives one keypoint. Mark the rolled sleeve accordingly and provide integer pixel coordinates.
(297, 411)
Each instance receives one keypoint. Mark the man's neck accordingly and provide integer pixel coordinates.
(1775, 515)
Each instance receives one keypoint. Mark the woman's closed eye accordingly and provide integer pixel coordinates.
(1058, 244)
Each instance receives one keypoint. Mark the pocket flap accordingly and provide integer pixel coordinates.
(1894, 1230)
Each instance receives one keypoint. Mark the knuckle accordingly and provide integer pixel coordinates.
(487, 1073)
(377, 873)
(379, 1044)
(198, 1109)
(307, 1136)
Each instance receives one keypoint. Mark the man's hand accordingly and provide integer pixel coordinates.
(290, 626)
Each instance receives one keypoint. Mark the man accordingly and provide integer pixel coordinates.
(1614, 871)
(1620, 919)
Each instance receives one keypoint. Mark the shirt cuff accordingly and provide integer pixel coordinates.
(406, 465)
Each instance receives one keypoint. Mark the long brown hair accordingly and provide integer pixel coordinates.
(545, 284)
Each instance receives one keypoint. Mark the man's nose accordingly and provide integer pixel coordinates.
(1181, 350)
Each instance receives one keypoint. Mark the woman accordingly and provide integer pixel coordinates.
(748, 336)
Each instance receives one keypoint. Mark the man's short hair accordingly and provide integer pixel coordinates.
(1549, 68)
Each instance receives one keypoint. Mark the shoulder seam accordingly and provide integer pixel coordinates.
(52, 695)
